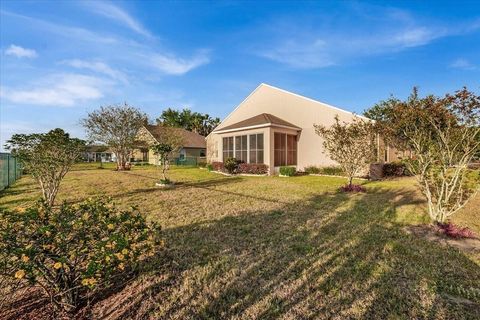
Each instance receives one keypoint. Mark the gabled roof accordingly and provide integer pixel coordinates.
(191, 139)
(264, 85)
(261, 120)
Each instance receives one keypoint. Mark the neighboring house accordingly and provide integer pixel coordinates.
(275, 127)
(194, 144)
(97, 153)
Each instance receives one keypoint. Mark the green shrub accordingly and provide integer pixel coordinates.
(231, 165)
(395, 169)
(288, 171)
(332, 171)
(312, 170)
(76, 250)
(209, 167)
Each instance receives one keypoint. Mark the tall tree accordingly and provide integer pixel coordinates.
(117, 127)
(47, 157)
(197, 122)
(444, 135)
(352, 145)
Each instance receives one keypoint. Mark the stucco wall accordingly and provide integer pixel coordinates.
(300, 111)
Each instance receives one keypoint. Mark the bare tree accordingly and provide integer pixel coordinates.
(444, 136)
(117, 127)
(352, 145)
(47, 157)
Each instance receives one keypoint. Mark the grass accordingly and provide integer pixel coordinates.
(270, 247)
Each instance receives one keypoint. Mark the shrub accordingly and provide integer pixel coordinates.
(453, 231)
(252, 168)
(218, 166)
(75, 250)
(202, 164)
(332, 171)
(312, 170)
(353, 188)
(395, 169)
(209, 167)
(288, 171)
(231, 165)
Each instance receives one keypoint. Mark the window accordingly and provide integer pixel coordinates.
(241, 148)
(202, 153)
(285, 149)
(256, 148)
(227, 148)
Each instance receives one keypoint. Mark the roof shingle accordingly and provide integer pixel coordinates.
(263, 118)
(191, 139)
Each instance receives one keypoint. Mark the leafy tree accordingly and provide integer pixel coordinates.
(47, 157)
(169, 143)
(352, 145)
(74, 251)
(197, 122)
(117, 127)
(444, 135)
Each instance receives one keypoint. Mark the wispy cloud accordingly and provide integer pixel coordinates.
(63, 90)
(113, 12)
(323, 42)
(463, 64)
(177, 66)
(19, 52)
(97, 67)
(70, 32)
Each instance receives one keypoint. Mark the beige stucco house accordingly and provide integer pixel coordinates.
(194, 145)
(275, 127)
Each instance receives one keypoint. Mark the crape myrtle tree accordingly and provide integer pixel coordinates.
(351, 144)
(197, 122)
(168, 144)
(116, 126)
(443, 134)
(47, 157)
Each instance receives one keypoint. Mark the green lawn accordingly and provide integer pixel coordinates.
(289, 248)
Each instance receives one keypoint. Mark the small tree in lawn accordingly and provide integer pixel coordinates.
(352, 145)
(444, 136)
(117, 127)
(47, 157)
(169, 143)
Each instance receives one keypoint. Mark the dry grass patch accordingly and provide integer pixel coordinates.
(269, 248)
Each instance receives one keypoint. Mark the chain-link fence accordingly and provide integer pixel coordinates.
(10, 170)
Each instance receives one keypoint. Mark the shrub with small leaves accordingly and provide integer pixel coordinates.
(312, 170)
(353, 188)
(288, 171)
(454, 231)
(218, 166)
(76, 250)
(252, 168)
(333, 171)
(209, 167)
(231, 165)
(395, 169)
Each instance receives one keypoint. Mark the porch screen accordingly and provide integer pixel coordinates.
(227, 148)
(285, 149)
(256, 148)
(241, 148)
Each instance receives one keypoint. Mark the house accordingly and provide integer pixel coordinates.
(194, 145)
(98, 153)
(275, 127)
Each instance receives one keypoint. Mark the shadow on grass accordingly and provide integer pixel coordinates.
(335, 255)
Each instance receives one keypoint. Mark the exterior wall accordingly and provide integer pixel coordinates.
(300, 111)
(194, 152)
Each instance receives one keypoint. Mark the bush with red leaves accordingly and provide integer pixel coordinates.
(453, 231)
(252, 168)
(353, 188)
(218, 166)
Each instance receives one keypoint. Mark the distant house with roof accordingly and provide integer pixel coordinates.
(275, 127)
(194, 145)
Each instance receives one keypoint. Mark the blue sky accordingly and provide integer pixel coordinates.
(61, 59)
